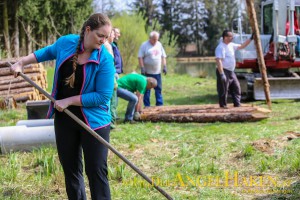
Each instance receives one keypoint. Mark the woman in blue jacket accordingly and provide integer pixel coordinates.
(83, 83)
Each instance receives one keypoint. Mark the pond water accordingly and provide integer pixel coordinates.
(201, 69)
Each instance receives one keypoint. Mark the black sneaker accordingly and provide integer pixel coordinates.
(129, 121)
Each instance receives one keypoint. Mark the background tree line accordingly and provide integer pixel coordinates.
(31, 24)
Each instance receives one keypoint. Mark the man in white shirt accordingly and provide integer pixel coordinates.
(151, 55)
(226, 78)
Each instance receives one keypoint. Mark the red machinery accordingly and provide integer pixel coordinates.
(281, 46)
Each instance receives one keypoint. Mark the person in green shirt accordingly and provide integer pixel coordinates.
(131, 88)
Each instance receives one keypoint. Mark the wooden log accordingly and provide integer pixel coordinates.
(14, 86)
(210, 117)
(22, 98)
(6, 71)
(8, 62)
(18, 88)
(17, 83)
(43, 97)
(260, 56)
(10, 81)
(4, 63)
(16, 91)
(211, 108)
(30, 95)
(11, 77)
(203, 113)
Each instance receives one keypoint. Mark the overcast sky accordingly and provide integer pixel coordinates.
(121, 4)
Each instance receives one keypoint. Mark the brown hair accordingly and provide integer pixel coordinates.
(95, 21)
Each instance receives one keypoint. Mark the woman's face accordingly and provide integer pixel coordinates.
(95, 38)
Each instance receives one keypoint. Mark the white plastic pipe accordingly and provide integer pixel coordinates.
(36, 122)
(22, 138)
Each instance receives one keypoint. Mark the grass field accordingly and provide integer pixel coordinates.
(189, 160)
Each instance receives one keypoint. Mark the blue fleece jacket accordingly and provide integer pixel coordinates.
(98, 80)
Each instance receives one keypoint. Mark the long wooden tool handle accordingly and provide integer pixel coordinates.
(99, 138)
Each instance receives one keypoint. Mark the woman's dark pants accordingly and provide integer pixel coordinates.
(71, 141)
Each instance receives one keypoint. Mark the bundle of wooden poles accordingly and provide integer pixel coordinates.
(203, 113)
(18, 88)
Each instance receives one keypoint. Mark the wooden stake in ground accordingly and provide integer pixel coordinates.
(260, 57)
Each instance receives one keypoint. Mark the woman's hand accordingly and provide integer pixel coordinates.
(62, 104)
(16, 68)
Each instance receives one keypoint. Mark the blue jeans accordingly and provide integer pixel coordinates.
(132, 101)
(158, 89)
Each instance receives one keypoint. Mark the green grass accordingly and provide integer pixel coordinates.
(50, 76)
(188, 160)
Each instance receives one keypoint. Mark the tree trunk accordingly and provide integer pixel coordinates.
(22, 42)
(28, 40)
(203, 113)
(6, 29)
(15, 39)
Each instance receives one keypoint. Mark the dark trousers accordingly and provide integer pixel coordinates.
(71, 140)
(158, 89)
(231, 86)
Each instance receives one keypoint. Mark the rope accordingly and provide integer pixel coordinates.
(7, 96)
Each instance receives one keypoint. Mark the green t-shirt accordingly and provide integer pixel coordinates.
(133, 83)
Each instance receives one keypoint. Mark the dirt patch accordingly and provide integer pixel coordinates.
(269, 146)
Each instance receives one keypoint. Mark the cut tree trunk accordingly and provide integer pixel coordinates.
(203, 113)
(14, 86)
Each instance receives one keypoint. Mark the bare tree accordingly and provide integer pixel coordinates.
(6, 29)
(15, 35)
